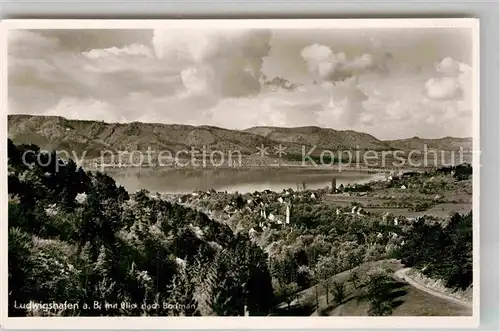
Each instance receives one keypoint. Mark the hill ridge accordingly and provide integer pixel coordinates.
(58, 133)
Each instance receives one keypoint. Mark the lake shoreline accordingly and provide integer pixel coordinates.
(242, 180)
(263, 167)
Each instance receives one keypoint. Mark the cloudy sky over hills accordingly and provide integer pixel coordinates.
(392, 83)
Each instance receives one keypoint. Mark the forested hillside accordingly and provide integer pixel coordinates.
(75, 236)
(93, 137)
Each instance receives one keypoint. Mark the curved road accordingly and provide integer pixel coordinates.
(403, 275)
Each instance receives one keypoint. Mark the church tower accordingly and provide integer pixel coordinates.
(334, 186)
(287, 215)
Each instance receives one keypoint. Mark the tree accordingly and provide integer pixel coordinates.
(378, 295)
(206, 283)
(339, 292)
(287, 292)
(441, 252)
(354, 278)
(19, 258)
(325, 268)
(181, 292)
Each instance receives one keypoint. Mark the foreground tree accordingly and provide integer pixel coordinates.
(378, 295)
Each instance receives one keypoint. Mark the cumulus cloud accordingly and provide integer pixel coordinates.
(260, 111)
(345, 104)
(195, 79)
(280, 107)
(339, 77)
(449, 67)
(325, 65)
(85, 109)
(27, 43)
(131, 50)
(215, 77)
(229, 61)
(42, 72)
(186, 45)
(435, 106)
(137, 58)
(454, 79)
(443, 88)
(339, 106)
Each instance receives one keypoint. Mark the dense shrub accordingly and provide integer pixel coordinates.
(441, 252)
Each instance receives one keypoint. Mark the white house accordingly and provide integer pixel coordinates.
(272, 217)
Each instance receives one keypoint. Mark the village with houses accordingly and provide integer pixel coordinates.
(402, 197)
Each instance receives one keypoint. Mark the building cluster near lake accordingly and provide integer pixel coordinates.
(407, 195)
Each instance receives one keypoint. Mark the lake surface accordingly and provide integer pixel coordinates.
(234, 179)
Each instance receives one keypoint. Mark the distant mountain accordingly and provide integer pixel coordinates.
(58, 133)
(52, 132)
(444, 144)
(322, 138)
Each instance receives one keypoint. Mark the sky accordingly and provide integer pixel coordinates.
(391, 83)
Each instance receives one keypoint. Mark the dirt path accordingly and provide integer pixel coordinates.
(403, 275)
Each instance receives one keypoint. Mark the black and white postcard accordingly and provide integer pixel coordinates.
(257, 173)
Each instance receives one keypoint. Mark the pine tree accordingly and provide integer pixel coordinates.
(205, 285)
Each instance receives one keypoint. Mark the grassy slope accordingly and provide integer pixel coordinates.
(413, 302)
(407, 300)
